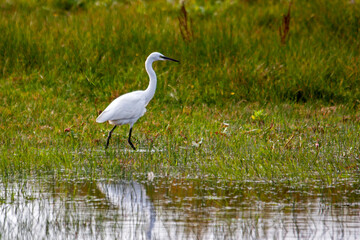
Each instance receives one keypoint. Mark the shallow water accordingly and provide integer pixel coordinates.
(48, 208)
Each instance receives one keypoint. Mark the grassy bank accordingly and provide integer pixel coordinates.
(280, 143)
(292, 107)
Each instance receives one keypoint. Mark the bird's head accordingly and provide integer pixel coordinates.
(156, 56)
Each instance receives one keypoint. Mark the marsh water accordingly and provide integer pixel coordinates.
(176, 208)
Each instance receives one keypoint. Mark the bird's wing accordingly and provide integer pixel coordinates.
(127, 106)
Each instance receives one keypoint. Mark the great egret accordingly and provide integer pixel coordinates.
(128, 108)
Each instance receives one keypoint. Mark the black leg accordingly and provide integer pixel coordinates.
(129, 140)
(109, 136)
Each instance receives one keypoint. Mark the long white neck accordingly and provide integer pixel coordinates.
(150, 91)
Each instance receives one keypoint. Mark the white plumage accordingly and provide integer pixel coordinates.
(128, 108)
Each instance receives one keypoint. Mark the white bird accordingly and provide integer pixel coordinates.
(128, 108)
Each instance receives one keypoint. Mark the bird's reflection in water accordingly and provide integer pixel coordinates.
(135, 206)
(164, 208)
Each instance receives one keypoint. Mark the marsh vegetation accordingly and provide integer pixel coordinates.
(266, 91)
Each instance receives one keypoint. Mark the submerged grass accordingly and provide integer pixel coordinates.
(291, 110)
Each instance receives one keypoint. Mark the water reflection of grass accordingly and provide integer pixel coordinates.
(261, 208)
(179, 208)
(290, 110)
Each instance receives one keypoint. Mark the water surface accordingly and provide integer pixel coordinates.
(176, 208)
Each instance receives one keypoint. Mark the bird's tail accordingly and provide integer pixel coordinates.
(101, 118)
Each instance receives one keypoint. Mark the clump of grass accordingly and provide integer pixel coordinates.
(235, 54)
(59, 68)
(259, 116)
(293, 144)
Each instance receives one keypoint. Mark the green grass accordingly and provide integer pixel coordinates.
(292, 109)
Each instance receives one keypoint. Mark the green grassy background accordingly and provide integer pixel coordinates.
(292, 109)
